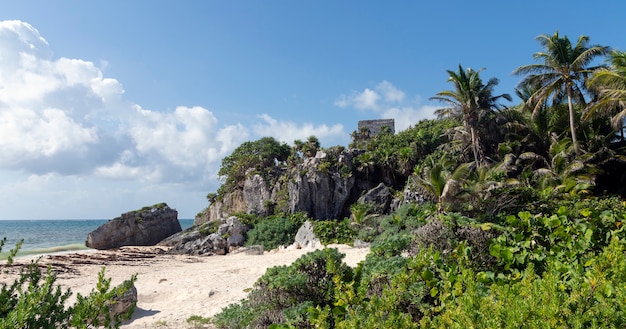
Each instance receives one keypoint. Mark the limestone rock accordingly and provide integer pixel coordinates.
(323, 186)
(379, 198)
(233, 202)
(120, 305)
(306, 238)
(144, 227)
(234, 231)
(212, 238)
(321, 194)
(256, 195)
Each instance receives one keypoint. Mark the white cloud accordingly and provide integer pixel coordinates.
(406, 117)
(369, 99)
(366, 100)
(287, 131)
(390, 93)
(388, 102)
(26, 135)
(63, 116)
(72, 144)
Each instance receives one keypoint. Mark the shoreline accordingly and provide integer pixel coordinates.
(171, 288)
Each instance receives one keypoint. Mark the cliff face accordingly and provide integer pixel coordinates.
(323, 186)
(323, 194)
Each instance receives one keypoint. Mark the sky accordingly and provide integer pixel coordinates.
(109, 106)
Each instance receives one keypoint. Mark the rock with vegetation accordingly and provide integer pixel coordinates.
(211, 238)
(123, 303)
(379, 199)
(320, 190)
(144, 227)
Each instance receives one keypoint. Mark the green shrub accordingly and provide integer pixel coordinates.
(284, 294)
(235, 316)
(593, 296)
(330, 231)
(197, 321)
(393, 245)
(34, 300)
(272, 233)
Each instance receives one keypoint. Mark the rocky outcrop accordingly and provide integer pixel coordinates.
(212, 238)
(321, 193)
(144, 227)
(306, 238)
(378, 199)
(124, 304)
(323, 186)
(233, 202)
(256, 195)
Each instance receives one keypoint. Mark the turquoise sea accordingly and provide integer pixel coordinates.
(49, 236)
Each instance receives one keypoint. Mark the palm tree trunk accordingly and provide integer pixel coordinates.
(476, 147)
(572, 121)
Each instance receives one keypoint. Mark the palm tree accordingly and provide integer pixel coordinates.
(610, 85)
(561, 73)
(441, 180)
(470, 100)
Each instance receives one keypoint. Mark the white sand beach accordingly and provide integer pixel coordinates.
(171, 288)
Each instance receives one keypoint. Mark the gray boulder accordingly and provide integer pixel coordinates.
(379, 199)
(121, 305)
(212, 238)
(306, 238)
(144, 227)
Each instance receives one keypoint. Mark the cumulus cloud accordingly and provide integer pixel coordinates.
(388, 102)
(287, 131)
(61, 115)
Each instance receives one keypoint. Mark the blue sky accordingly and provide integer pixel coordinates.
(108, 106)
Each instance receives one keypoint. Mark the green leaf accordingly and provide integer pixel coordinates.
(434, 291)
(507, 255)
(427, 275)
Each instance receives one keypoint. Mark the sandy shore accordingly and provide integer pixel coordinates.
(171, 288)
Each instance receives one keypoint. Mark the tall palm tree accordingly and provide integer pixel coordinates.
(470, 100)
(610, 85)
(561, 73)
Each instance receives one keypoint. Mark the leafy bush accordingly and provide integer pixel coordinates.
(562, 268)
(393, 245)
(284, 294)
(330, 231)
(35, 301)
(564, 238)
(197, 321)
(593, 296)
(274, 232)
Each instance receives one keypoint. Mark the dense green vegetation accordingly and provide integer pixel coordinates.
(34, 300)
(522, 223)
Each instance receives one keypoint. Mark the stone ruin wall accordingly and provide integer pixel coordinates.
(375, 126)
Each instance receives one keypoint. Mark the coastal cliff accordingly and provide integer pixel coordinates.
(323, 186)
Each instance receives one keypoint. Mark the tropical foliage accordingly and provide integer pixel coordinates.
(516, 215)
(561, 73)
(473, 102)
(35, 300)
